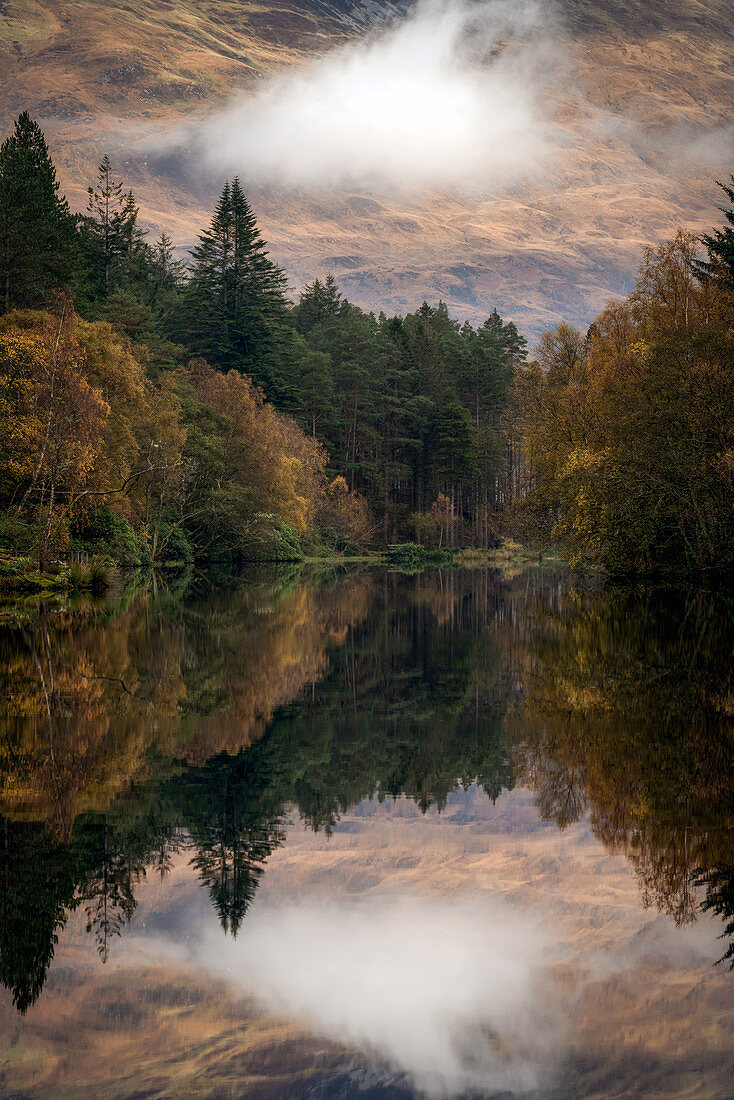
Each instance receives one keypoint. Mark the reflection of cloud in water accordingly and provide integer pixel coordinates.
(449, 993)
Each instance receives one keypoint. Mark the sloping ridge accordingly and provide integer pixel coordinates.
(96, 74)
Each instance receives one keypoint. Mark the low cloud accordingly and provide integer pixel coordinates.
(453, 95)
(450, 994)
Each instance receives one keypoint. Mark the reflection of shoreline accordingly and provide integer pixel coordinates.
(415, 686)
(97, 707)
(627, 715)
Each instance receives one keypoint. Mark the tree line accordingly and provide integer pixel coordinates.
(167, 409)
(159, 409)
(625, 434)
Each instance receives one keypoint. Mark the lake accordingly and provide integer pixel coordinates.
(332, 833)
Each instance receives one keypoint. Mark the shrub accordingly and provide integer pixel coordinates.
(16, 535)
(271, 539)
(111, 535)
(411, 557)
(345, 517)
(408, 553)
(76, 578)
(99, 574)
(174, 545)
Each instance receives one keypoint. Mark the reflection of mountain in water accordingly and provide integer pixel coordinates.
(196, 724)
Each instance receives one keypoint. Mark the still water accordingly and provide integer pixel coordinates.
(368, 835)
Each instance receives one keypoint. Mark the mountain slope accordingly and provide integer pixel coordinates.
(646, 98)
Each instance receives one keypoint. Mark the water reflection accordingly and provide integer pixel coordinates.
(627, 713)
(367, 972)
(189, 725)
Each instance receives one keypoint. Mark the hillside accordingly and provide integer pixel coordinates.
(644, 95)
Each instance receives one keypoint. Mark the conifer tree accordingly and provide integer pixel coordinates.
(236, 302)
(720, 244)
(111, 228)
(37, 246)
(170, 273)
(318, 303)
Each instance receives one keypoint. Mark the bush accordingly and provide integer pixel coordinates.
(76, 578)
(271, 539)
(329, 541)
(13, 567)
(99, 574)
(111, 535)
(411, 556)
(16, 535)
(345, 518)
(174, 545)
(408, 553)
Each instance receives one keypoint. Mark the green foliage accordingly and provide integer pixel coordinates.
(269, 538)
(76, 577)
(412, 557)
(719, 244)
(408, 409)
(408, 553)
(17, 535)
(99, 573)
(232, 310)
(110, 237)
(174, 544)
(111, 534)
(37, 242)
(95, 574)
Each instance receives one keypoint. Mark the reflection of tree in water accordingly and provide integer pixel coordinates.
(719, 886)
(405, 703)
(38, 886)
(93, 701)
(627, 713)
(113, 868)
(234, 826)
(327, 695)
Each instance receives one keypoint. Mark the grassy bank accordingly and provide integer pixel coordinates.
(411, 556)
(21, 576)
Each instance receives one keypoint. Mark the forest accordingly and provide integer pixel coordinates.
(157, 411)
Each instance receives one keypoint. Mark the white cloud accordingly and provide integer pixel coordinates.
(452, 95)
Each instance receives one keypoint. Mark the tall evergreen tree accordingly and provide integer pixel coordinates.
(235, 305)
(720, 243)
(37, 246)
(318, 303)
(170, 273)
(110, 231)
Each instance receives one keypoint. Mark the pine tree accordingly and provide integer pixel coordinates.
(170, 273)
(236, 302)
(37, 246)
(318, 303)
(111, 228)
(720, 244)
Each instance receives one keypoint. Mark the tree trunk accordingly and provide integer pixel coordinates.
(43, 553)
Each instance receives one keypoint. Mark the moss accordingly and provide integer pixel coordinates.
(22, 582)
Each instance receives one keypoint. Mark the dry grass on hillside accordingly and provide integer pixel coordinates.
(98, 75)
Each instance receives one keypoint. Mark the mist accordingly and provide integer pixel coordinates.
(452, 95)
(448, 993)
